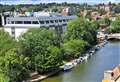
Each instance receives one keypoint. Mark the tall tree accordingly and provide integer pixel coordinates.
(115, 26)
(74, 48)
(42, 46)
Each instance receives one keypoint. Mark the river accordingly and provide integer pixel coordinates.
(93, 70)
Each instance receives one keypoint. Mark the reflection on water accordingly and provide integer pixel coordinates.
(92, 71)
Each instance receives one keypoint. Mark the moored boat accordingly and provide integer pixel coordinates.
(68, 66)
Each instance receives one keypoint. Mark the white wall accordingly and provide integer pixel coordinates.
(18, 31)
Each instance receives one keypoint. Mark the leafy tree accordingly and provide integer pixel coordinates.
(6, 42)
(3, 78)
(54, 10)
(107, 21)
(115, 26)
(82, 29)
(42, 46)
(74, 48)
(14, 66)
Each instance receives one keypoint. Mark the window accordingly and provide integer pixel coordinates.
(51, 21)
(47, 22)
(18, 22)
(27, 22)
(56, 21)
(35, 22)
(60, 20)
(12, 22)
(41, 22)
(63, 20)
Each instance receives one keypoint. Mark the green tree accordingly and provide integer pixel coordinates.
(74, 48)
(3, 78)
(14, 66)
(6, 42)
(42, 46)
(115, 26)
(82, 29)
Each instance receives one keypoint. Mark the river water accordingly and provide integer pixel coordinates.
(106, 58)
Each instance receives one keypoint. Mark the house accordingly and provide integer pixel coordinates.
(112, 75)
(68, 11)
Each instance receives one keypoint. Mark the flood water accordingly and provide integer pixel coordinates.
(106, 58)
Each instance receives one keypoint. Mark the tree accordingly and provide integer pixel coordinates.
(14, 66)
(74, 48)
(55, 10)
(41, 45)
(115, 26)
(6, 42)
(82, 29)
(3, 78)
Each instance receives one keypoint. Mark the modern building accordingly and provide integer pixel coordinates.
(17, 25)
(112, 75)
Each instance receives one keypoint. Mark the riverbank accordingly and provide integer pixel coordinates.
(92, 70)
(74, 62)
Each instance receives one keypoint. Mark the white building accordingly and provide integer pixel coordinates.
(18, 25)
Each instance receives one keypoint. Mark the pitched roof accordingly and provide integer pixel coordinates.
(116, 72)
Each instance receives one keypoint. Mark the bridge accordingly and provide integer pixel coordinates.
(114, 36)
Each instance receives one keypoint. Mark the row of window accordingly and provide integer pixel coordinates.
(53, 21)
(24, 22)
(36, 22)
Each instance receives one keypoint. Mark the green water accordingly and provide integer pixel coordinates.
(92, 71)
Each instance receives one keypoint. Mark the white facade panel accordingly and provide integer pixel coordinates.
(19, 31)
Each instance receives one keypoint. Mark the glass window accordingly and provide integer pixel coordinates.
(27, 22)
(18, 22)
(35, 22)
(63, 20)
(12, 22)
(41, 22)
(56, 21)
(51, 21)
(47, 22)
(60, 20)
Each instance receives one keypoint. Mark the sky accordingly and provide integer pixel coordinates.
(57, 1)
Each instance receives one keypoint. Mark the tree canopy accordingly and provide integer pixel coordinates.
(115, 26)
(42, 46)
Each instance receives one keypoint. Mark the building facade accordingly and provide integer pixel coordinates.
(18, 25)
(112, 75)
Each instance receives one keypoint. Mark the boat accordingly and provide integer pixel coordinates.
(85, 58)
(77, 61)
(81, 59)
(68, 66)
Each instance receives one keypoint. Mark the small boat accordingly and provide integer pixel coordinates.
(77, 61)
(74, 63)
(85, 58)
(68, 66)
(81, 59)
(87, 55)
(97, 47)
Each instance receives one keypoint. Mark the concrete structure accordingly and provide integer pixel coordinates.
(112, 75)
(114, 36)
(18, 25)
